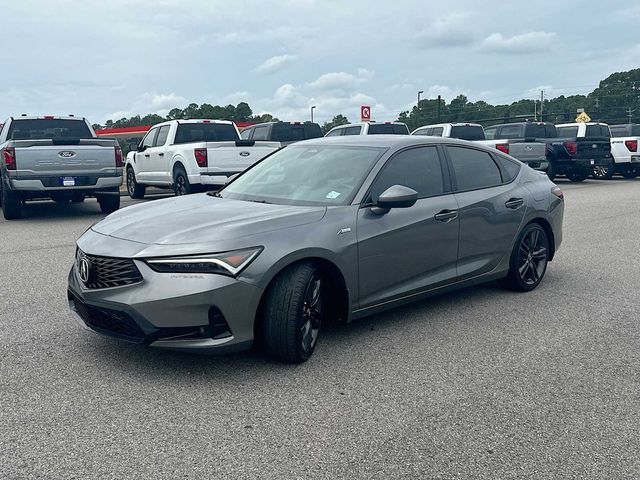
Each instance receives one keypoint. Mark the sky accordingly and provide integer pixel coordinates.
(117, 58)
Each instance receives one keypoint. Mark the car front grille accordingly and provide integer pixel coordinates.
(105, 320)
(106, 272)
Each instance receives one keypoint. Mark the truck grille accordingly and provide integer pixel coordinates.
(108, 321)
(106, 272)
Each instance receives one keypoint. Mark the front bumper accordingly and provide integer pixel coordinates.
(200, 313)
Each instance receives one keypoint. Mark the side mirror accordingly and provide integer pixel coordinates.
(397, 196)
(141, 148)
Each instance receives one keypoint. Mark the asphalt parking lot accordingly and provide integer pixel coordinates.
(482, 383)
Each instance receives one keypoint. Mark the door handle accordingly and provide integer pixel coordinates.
(446, 215)
(514, 203)
(146, 155)
(161, 154)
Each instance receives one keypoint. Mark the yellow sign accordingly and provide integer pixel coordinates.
(583, 118)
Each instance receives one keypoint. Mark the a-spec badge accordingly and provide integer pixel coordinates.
(66, 154)
(245, 153)
(344, 230)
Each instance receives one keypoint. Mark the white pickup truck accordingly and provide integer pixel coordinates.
(624, 150)
(58, 158)
(191, 155)
(531, 153)
(369, 128)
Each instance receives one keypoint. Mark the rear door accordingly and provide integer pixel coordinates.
(490, 209)
(408, 250)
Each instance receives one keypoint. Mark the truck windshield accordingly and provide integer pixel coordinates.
(467, 132)
(42, 128)
(287, 132)
(306, 175)
(388, 129)
(205, 132)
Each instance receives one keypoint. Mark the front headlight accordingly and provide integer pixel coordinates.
(227, 263)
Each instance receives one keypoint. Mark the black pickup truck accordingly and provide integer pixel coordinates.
(575, 157)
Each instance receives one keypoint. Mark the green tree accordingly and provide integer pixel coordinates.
(336, 121)
(242, 112)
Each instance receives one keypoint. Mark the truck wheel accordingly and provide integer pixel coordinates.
(551, 172)
(181, 185)
(11, 204)
(293, 313)
(578, 175)
(631, 172)
(134, 189)
(109, 203)
(604, 173)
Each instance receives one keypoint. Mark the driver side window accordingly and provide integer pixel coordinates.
(416, 168)
(147, 141)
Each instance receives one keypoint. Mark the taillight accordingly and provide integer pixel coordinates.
(9, 157)
(571, 147)
(119, 162)
(557, 192)
(503, 147)
(201, 156)
(632, 145)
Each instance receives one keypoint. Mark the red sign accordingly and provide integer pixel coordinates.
(365, 113)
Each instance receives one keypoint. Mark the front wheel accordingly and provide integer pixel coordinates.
(631, 172)
(293, 314)
(109, 203)
(134, 189)
(578, 175)
(529, 259)
(604, 173)
(181, 185)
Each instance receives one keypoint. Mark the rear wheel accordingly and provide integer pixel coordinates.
(181, 185)
(604, 173)
(551, 172)
(293, 314)
(134, 189)
(11, 203)
(109, 203)
(631, 172)
(578, 175)
(529, 259)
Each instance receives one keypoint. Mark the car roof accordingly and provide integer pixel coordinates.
(452, 124)
(575, 124)
(358, 124)
(387, 141)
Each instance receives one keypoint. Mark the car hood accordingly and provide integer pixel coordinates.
(202, 218)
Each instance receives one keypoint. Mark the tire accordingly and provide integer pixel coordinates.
(11, 204)
(529, 259)
(77, 198)
(578, 175)
(630, 172)
(109, 203)
(181, 185)
(604, 173)
(134, 189)
(551, 172)
(293, 313)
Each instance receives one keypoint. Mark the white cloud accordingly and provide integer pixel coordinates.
(276, 63)
(453, 30)
(341, 80)
(531, 42)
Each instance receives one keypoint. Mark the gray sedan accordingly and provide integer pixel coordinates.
(326, 229)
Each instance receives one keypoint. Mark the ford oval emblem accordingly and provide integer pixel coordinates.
(245, 153)
(528, 148)
(67, 154)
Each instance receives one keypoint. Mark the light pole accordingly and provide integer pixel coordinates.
(419, 93)
(312, 113)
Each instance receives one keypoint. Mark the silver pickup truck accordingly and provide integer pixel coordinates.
(58, 158)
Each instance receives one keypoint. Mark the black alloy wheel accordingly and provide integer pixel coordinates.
(529, 259)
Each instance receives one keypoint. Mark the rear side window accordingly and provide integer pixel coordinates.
(286, 132)
(473, 169)
(490, 133)
(567, 132)
(163, 133)
(335, 133)
(423, 131)
(597, 131)
(351, 131)
(205, 132)
(510, 169)
(388, 129)
(41, 128)
(509, 131)
(417, 168)
(619, 131)
(437, 132)
(467, 132)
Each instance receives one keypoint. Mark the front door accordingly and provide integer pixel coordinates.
(408, 250)
(143, 158)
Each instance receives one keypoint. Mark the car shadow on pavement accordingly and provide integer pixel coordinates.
(361, 334)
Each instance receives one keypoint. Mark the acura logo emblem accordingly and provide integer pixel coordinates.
(67, 154)
(84, 269)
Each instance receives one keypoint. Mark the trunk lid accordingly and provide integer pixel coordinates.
(228, 157)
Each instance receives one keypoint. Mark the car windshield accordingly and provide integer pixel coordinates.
(306, 175)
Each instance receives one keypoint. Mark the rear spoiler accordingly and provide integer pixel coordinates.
(245, 143)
